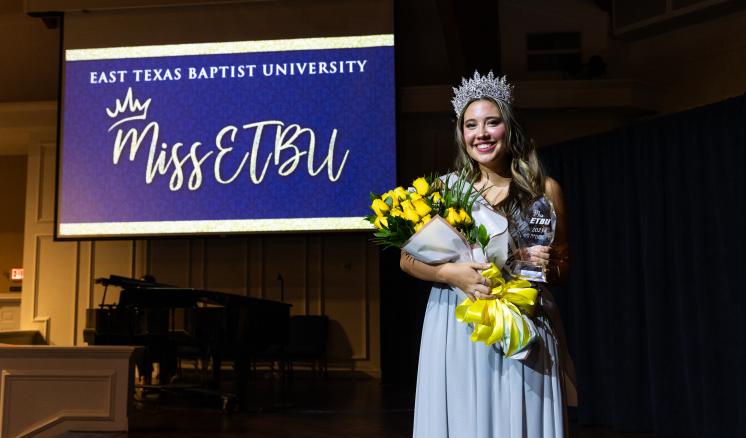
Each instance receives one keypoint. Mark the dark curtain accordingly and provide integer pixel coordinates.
(654, 309)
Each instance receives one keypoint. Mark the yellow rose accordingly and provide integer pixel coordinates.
(414, 196)
(418, 226)
(381, 222)
(436, 197)
(401, 193)
(396, 212)
(452, 216)
(411, 215)
(421, 185)
(379, 207)
(407, 205)
(465, 218)
(421, 206)
(394, 199)
(426, 219)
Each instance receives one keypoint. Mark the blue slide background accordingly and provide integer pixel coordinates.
(359, 105)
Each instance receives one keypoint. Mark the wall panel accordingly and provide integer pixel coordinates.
(255, 266)
(10, 314)
(46, 173)
(110, 258)
(314, 276)
(197, 260)
(56, 287)
(285, 271)
(345, 295)
(11, 256)
(170, 261)
(225, 265)
(85, 292)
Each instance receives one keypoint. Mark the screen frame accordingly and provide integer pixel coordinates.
(198, 234)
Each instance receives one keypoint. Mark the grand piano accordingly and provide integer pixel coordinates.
(173, 322)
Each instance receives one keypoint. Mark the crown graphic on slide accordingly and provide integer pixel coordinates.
(128, 109)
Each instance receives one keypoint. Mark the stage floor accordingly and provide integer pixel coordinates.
(341, 406)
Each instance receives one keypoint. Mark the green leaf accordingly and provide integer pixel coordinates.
(484, 238)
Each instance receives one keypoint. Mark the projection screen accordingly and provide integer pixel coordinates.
(231, 118)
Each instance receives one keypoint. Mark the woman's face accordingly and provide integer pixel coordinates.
(484, 133)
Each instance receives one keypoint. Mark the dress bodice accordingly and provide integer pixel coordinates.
(531, 226)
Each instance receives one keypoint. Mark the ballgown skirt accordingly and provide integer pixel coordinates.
(470, 390)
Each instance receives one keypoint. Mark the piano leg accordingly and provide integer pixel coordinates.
(217, 363)
(168, 364)
(241, 366)
(145, 366)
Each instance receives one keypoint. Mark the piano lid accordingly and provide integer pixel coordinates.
(144, 294)
(128, 283)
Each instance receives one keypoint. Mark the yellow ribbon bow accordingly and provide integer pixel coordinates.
(501, 320)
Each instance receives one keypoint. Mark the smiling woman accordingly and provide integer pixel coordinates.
(466, 388)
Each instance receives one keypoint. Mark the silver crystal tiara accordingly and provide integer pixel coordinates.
(479, 87)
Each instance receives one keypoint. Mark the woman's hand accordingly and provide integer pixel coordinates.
(538, 255)
(468, 278)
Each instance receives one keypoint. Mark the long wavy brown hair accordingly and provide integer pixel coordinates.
(527, 183)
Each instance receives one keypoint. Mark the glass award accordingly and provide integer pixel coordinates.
(535, 227)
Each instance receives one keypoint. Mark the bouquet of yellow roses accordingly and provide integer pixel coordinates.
(439, 220)
(400, 213)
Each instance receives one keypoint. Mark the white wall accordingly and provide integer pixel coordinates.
(13, 183)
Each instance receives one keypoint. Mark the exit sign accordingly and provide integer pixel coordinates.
(16, 274)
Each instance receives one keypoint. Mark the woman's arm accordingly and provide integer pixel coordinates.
(559, 254)
(465, 276)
